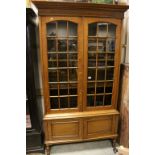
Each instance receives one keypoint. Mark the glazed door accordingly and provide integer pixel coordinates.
(102, 59)
(62, 57)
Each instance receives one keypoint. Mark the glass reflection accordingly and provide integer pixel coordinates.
(62, 28)
(72, 27)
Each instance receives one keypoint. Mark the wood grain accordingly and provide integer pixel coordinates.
(47, 8)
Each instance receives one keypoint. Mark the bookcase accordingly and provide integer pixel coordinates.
(80, 46)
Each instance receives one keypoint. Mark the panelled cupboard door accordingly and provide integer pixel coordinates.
(62, 59)
(65, 129)
(101, 62)
(101, 126)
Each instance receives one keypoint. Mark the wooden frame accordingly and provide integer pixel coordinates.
(117, 61)
(47, 8)
(44, 21)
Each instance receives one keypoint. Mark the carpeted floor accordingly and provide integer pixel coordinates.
(87, 148)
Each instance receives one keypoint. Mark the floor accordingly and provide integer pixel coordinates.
(87, 148)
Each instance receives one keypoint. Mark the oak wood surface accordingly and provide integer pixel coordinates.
(81, 114)
(110, 136)
(97, 126)
(47, 8)
(65, 129)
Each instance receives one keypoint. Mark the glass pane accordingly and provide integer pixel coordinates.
(101, 55)
(52, 76)
(62, 52)
(51, 45)
(72, 28)
(91, 59)
(72, 56)
(101, 74)
(52, 57)
(91, 88)
(52, 64)
(110, 56)
(92, 29)
(101, 41)
(107, 100)
(63, 75)
(109, 74)
(92, 55)
(111, 45)
(92, 45)
(53, 86)
(90, 100)
(101, 63)
(73, 102)
(99, 100)
(73, 75)
(102, 45)
(92, 63)
(62, 29)
(72, 45)
(64, 102)
(62, 56)
(62, 63)
(54, 92)
(91, 74)
(54, 103)
(72, 63)
(108, 88)
(63, 89)
(51, 29)
(100, 88)
(62, 45)
(111, 30)
(73, 85)
(102, 29)
(110, 63)
(73, 90)
(52, 60)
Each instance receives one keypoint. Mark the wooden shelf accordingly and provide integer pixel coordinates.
(64, 38)
(81, 114)
(102, 52)
(61, 96)
(64, 82)
(63, 52)
(101, 67)
(98, 37)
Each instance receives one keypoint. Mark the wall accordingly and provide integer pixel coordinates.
(124, 106)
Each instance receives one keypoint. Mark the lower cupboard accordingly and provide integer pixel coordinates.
(82, 128)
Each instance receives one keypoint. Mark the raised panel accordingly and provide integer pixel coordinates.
(67, 129)
(98, 126)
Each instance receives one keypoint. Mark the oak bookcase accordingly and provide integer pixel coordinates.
(80, 54)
